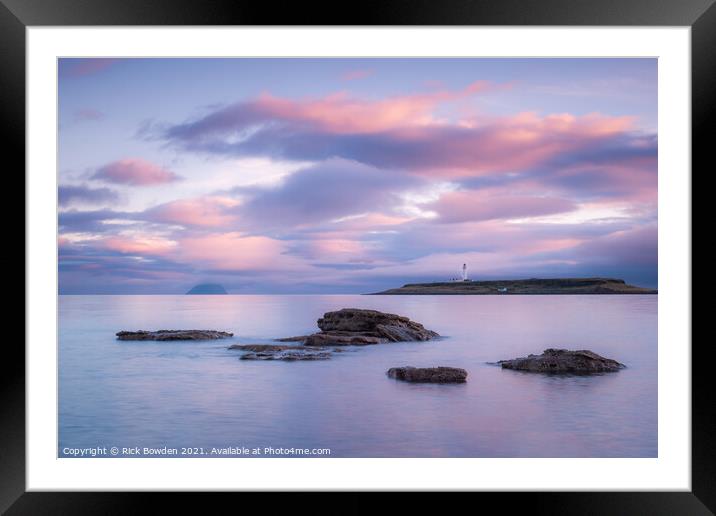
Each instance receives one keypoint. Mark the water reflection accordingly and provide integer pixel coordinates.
(200, 394)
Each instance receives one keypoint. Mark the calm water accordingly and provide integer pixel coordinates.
(199, 394)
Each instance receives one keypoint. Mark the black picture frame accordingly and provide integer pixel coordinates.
(17, 15)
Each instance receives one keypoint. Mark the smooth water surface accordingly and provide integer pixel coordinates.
(199, 394)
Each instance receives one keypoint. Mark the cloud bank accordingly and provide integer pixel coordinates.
(395, 188)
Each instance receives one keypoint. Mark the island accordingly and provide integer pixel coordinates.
(166, 335)
(563, 361)
(207, 289)
(521, 287)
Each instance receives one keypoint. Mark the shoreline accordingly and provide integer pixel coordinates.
(530, 287)
(650, 293)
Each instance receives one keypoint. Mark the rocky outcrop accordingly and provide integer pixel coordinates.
(299, 338)
(359, 327)
(288, 355)
(392, 327)
(269, 347)
(347, 327)
(563, 361)
(173, 335)
(428, 374)
(341, 339)
(279, 352)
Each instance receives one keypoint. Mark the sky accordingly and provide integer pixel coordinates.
(300, 176)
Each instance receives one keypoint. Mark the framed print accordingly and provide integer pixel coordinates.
(424, 249)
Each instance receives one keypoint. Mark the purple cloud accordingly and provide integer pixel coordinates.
(478, 205)
(330, 190)
(69, 195)
(73, 221)
(397, 132)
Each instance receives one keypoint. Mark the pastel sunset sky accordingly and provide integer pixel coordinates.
(353, 175)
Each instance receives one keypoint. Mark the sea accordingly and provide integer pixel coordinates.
(198, 399)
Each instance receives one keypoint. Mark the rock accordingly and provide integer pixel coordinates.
(428, 374)
(299, 338)
(270, 347)
(563, 361)
(392, 327)
(341, 339)
(173, 335)
(280, 352)
(358, 327)
(289, 355)
(207, 289)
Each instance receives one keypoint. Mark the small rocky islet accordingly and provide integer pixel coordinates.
(428, 374)
(361, 327)
(345, 327)
(563, 361)
(162, 335)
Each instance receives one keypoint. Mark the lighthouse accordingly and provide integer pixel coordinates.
(464, 272)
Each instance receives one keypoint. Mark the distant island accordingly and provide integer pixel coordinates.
(207, 288)
(521, 287)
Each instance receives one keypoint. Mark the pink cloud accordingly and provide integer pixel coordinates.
(478, 205)
(334, 246)
(528, 126)
(548, 245)
(135, 172)
(202, 212)
(368, 221)
(511, 143)
(341, 113)
(416, 133)
(139, 245)
(327, 248)
(234, 251)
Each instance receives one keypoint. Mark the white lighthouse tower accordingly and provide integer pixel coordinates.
(464, 272)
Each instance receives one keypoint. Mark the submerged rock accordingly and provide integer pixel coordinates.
(270, 347)
(341, 339)
(279, 352)
(358, 327)
(173, 335)
(563, 361)
(288, 355)
(428, 374)
(299, 338)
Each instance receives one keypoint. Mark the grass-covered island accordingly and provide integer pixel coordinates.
(521, 287)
